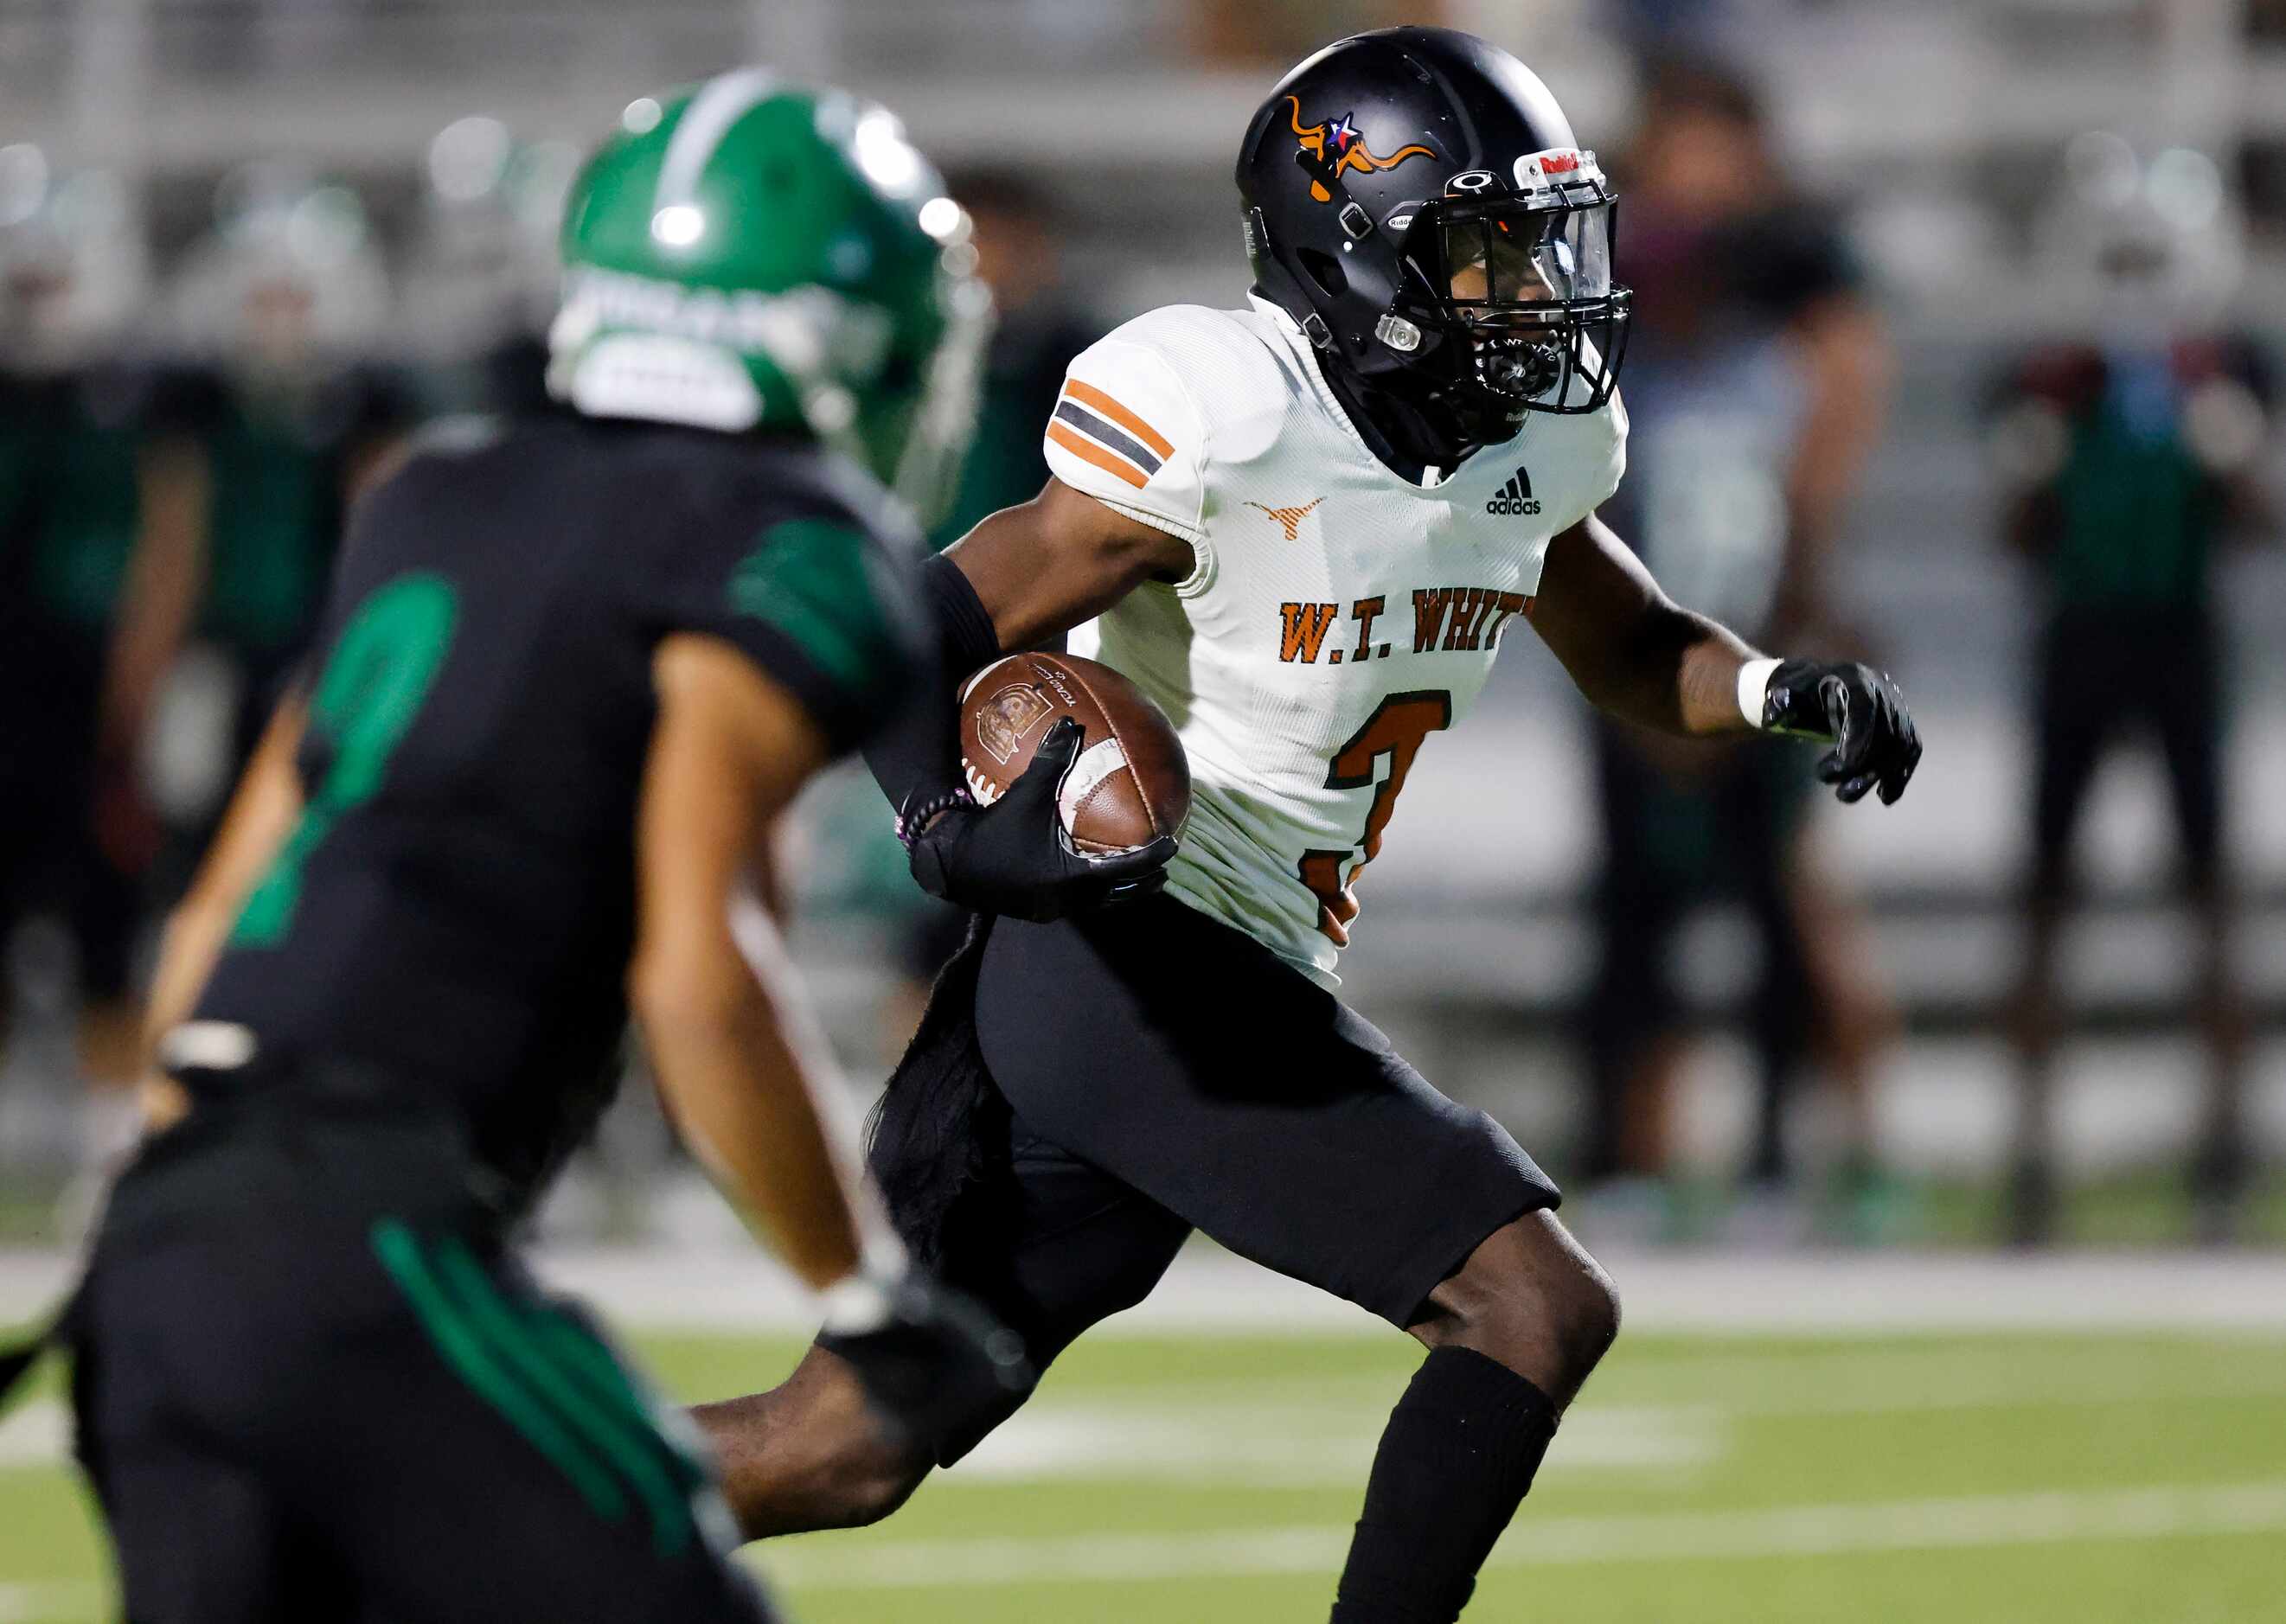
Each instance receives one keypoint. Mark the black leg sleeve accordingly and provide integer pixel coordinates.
(1460, 1451)
(918, 755)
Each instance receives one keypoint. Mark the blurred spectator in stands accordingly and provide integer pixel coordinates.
(1755, 380)
(1282, 31)
(2125, 452)
(261, 446)
(481, 279)
(1679, 26)
(1039, 326)
(74, 836)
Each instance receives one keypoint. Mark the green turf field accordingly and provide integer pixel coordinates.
(2086, 1479)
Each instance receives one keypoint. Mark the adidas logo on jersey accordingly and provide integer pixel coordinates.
(1516, 496)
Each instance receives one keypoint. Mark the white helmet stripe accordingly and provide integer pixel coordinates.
(719, 104)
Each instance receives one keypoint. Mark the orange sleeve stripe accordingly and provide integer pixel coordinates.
(1088, 395)
(1088, 450)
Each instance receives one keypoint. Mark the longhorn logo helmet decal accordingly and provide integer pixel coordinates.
(1338, 145)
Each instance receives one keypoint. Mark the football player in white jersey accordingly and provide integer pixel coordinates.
(1303, 529)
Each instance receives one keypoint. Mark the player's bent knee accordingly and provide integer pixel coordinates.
(1532, 1297)
(1590, 1317)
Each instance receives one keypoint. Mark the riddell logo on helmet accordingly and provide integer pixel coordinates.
(1337, 144)
(1515, 497)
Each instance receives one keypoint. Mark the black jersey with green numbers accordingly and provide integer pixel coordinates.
(457, 903)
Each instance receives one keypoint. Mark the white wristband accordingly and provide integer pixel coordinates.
(1754, 689)
(863, 1301)
(858, 1305)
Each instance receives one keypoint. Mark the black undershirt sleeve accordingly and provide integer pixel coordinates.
(917, 755)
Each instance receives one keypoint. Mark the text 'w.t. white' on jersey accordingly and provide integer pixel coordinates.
(1337, 614)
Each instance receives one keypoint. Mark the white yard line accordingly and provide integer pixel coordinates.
(49, 1601)
(1786, 1530)
(1235, 1443)
(1705, 1293)
(1816, 1294)
(34, 1434)
(1301, 1431)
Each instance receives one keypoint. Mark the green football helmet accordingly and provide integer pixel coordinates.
(756, 252)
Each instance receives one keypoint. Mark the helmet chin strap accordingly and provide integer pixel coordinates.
(1407, 422)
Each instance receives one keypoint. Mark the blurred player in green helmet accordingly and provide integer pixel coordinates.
(569, 672)
(797, 266)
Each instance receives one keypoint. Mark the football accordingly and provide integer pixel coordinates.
(1131, 782)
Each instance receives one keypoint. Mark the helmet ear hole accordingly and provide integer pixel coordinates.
(1325, 271)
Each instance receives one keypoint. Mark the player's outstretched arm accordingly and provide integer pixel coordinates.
(744, 1076)
(1635, 654)
(263, 810)
(748, 1078)
(1022, 578)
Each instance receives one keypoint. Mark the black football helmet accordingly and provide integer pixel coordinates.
(1414, 198)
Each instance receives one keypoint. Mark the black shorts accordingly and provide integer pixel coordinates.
(2104, 676)
(50, 860)
(308, 1388)
(1165, 1073)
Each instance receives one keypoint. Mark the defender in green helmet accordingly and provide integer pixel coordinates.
(571, 671)
(757, 254)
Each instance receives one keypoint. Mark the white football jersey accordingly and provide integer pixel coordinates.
(1338, 613)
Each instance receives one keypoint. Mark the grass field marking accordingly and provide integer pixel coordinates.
(1284, 1445)
(1186, 1431)
(36, 1434)
(1700, 1294)
(1306, 1431)
(1976, 1379)
(57, 1602)
(1960, 1522)
(1856, 1378)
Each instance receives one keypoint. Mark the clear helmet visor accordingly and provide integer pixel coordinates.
(1504, 255)
(1521, 288)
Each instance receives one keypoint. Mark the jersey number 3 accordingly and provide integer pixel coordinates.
(383, 668)
(1395, 729)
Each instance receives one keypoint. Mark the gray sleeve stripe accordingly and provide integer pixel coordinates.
(1088, 423)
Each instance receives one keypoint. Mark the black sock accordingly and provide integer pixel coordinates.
(1454, 1462)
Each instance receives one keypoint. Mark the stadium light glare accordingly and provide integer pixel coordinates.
(940, 217)
(678, 225)
(888, 159)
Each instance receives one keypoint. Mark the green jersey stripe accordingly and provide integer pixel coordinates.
(631, 1444)
(400, 1255)
(578, 1349)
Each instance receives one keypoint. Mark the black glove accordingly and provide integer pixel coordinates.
(1855, 709)
(1015, 858)
(935, 1366)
